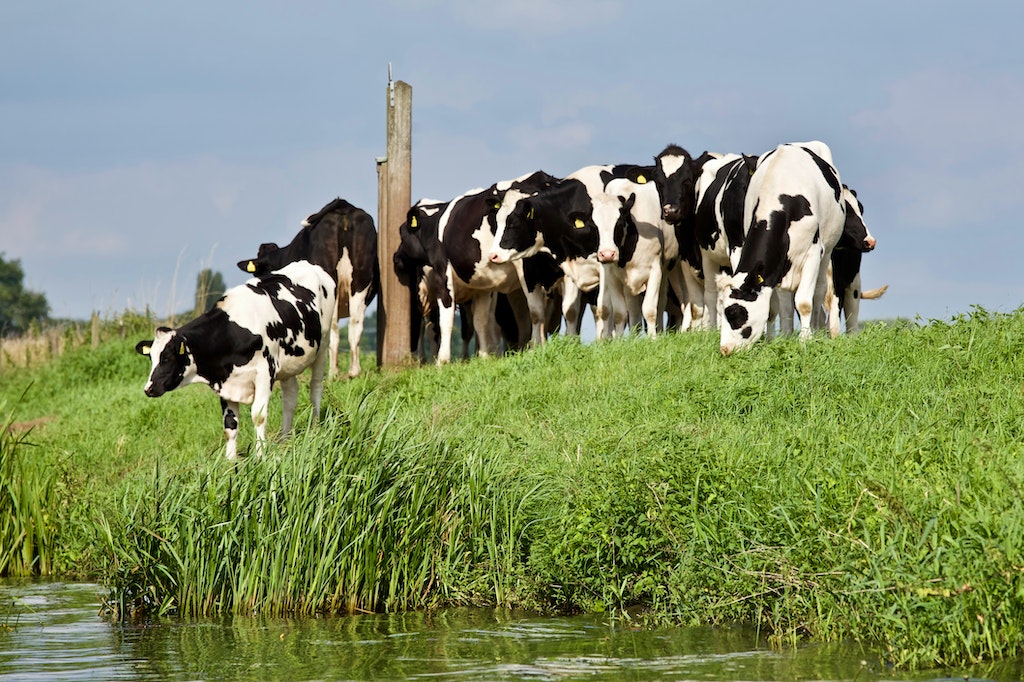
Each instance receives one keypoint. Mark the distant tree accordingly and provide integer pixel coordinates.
(209, 288)
(18, 308)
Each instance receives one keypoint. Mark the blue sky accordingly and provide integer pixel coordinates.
(144, 141)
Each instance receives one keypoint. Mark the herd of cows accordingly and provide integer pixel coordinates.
(718, 241)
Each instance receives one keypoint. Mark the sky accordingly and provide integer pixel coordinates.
(142, 142)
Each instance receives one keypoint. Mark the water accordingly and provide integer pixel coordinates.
(52, 631)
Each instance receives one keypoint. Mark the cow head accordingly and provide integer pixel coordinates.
(855, 231)
(746, 306)
(517, 235)
(263, 263)
(172, 362)
(674, 176)
(615, 226)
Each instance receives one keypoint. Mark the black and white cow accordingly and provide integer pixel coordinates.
(721, 189)
(466, 232)
(855, 241)
(272, 328)
(676, 176)
(341, 239)
(793, 215)
(568, 220)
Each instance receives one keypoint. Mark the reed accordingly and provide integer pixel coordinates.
(344, 518)
(27, 533)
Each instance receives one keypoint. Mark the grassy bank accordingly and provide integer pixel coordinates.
(864, 487)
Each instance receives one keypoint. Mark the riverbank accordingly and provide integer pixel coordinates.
(864, 488)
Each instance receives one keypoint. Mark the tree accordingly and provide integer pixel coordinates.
(209, 288)
(18, 308)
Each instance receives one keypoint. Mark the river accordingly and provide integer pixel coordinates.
(52, 631)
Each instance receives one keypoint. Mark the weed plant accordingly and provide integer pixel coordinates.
(865, 487)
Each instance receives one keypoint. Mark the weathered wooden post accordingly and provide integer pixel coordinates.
(394, 195)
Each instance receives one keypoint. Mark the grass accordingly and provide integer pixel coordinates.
(865, 487)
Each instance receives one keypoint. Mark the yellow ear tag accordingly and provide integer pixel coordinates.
(579, 223)
(146, 349)
(251, 267)
(760, 279)
(529, 216)
(640, 180)
(413, 222)
(496, 205)
(181, 349)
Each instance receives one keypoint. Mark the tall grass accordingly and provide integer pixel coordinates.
(341, 519)
(865, 487)
(27, 533)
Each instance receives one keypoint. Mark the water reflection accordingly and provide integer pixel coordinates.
(53, 632)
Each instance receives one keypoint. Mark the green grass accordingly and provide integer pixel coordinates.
(865, 487)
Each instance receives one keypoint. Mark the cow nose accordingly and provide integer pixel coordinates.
(869, 243)
(670, 212)
(726, 349)
(607, 255)
(494, 257)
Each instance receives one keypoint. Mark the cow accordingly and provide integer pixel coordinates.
(568, 220)
(269, 329)
(793, 216)
(638, 248)
(720, 191)
(844, 275)
(464, 236)
(676, 175)
(341, 239)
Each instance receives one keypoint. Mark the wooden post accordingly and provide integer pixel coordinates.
(95, 330)
(394, 196)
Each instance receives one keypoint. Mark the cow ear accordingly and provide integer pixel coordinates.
(247, 266)
(577, 220)
(144, 347)
(638, 175)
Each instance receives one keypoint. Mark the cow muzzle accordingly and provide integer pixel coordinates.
(496, 257)
(869, 244)
(608, 255)
(671, 213)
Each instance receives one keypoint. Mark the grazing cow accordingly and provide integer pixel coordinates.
(718, 220)
(793, 215)
(845, 267)
(341, 239)
(269, 329)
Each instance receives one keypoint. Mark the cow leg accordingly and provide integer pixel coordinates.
(804, 299)
(484, 323)
(334, 340)
(710, 293)
(446, 319)
(357, 313)
(316, 383)
(289, 400)
(229, 417)
(651, 305)
(851, 305)
(260, 402)
(784, 305)
(572, 306)
(696, 292)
